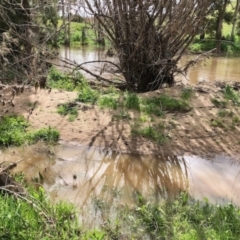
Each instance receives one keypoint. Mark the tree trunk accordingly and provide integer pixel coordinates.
(221, 14)
(235, 17)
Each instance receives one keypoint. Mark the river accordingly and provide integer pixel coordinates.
(209, 69)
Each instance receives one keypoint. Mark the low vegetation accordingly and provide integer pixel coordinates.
(69, 109)
(178, 218)
(125, 103)
(15, 130)
(64, 81)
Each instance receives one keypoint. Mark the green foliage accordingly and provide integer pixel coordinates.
(33, 217)
(48, 135)
(60, 80)
(187, 94)
(225, 113)
(87, 94)
(155, 133)
(217, 123)
(131, 101)
(219, 103)
(232, 95)
(108, 102)
(165, 103)
(69, 109)
(14, 132)
(180, 218)
(124, 115)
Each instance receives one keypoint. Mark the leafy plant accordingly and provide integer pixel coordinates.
(165, 103)
(131, 101)
(217, 123)
(14, 132)
(49, 135)
(187, 94)
(68, 109)
(108, 101)
(155, 133)
(231, 94)
(219, 103)
(87, 94)
(60, 80)
(32, 216)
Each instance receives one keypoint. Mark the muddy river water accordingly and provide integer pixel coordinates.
(80, 174)
(209, 69)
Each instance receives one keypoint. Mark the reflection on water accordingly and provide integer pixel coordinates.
(213, 69)
(210, 69)
(90, 176)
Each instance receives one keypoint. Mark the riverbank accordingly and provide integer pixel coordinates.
(205, 129)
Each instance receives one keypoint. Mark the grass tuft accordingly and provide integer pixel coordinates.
(60, 80)
(14, 132)
(69, 109)
(232, 95)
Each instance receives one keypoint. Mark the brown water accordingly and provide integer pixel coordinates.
(209, 69)
(78, 174)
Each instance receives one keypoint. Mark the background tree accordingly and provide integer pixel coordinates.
(149, 36)
(27, 30)
(235, 18)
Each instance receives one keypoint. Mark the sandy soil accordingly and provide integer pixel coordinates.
(189, 132)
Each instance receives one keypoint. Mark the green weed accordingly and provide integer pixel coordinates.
(122, 115)
(225, 113)
(131, 101)
(32, 217)
(69, 109)
(218, 103)
(232, 95)
(108, 102)
(14, 132)
(187, 94)
(165, 103)
(155, 133)
(87, 94)
(217, 123)
(60, 80)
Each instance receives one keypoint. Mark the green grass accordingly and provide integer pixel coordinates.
(219, 103)
(153, 132)
(60, 80)
(131, 101)
(69, 109)
(165, 103)
(108, 102)
(181, 218)
(187, 94)
(87, 94)
(218, 123)
(14, 131)
(225, 113)
(32, 216)
(232, 95)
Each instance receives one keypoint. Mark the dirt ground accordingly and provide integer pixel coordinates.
(189, 132)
